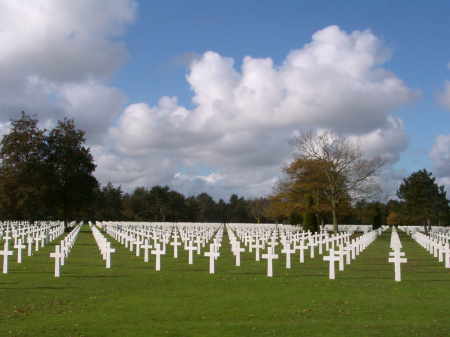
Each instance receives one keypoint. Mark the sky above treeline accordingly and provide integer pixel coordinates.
(208, 95)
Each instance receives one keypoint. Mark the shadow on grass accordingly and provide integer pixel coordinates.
(40, 288)
(95, 276)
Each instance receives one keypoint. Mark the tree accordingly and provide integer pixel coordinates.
(257, 208)
(71, 168)
(347, 173)
(23, 189)
(393, 218)
(425, 202)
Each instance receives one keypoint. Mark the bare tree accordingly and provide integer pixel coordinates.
(347, 172)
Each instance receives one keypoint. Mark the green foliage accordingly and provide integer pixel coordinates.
(45, 174)
(424, 202)
(160, 203)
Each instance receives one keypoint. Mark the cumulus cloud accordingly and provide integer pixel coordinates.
(57, 57)
(240, 127)
(235, 138)
(440, 156)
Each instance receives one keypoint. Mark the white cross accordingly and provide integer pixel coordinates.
(57, 256)
(302, 249)
(237, 252)
(146, 247)
(446, 251)
(108, 251)
(131, 242)
(138, 247)
(64, 251)
(5, 252)
(396, 258)
(190, 247)
(320, 244)
(175, 245)
(212, 254)
(30, 245)
(341, 253)
(312, 244)
(270, 256)
(257, 247)
(36, 241)
(19, 246)
(288, 251)
(331, 259)
(158, 252)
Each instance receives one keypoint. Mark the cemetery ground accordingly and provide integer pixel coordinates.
(132, 299)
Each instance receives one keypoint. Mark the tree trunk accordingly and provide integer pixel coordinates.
(335, 224)
(333, 212)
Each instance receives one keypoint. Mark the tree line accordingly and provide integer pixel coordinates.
(48, 175)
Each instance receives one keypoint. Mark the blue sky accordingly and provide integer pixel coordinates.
(415, 31)
(152, 84)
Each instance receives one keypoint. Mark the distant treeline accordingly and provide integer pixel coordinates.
(160, 203)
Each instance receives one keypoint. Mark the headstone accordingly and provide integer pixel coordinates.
(175, 245)
(57, 256)
(19, 246)
(190, 247)
(146, 246)
(397, 258)
(212, 254)
(157, 252)
(108, 251)
(331, 259)
(270, 256)
(5, 252)
(237, 252)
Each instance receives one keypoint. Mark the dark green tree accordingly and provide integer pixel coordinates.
(70, 166)
(424, 201)
(23, 187)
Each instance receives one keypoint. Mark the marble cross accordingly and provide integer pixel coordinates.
(175, 245)
(212, 254)
(108, 251)
(270, 256)
(146, 246)
(237, 252)
(190, 247)
(19, 246)
(331, 259)
(288, 251)
(397, 259)
(5, 252)
(158, 252)
(302, 249)
(57, 256)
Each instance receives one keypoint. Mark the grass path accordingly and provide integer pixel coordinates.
(131, 299)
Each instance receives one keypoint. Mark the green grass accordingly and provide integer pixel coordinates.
(131, 299)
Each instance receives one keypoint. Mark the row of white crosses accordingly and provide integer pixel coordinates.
(349, 251)
(437, 244)
(18, 232)
(160, 236)
(103, 245)
(63, 249)
(291, 238)
(397, 257)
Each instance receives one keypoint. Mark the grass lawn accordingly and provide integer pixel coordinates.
(182, 300)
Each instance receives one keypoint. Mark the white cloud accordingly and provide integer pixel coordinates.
(57, 56)
(440, 156)
(243, 118)
(236, 137)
